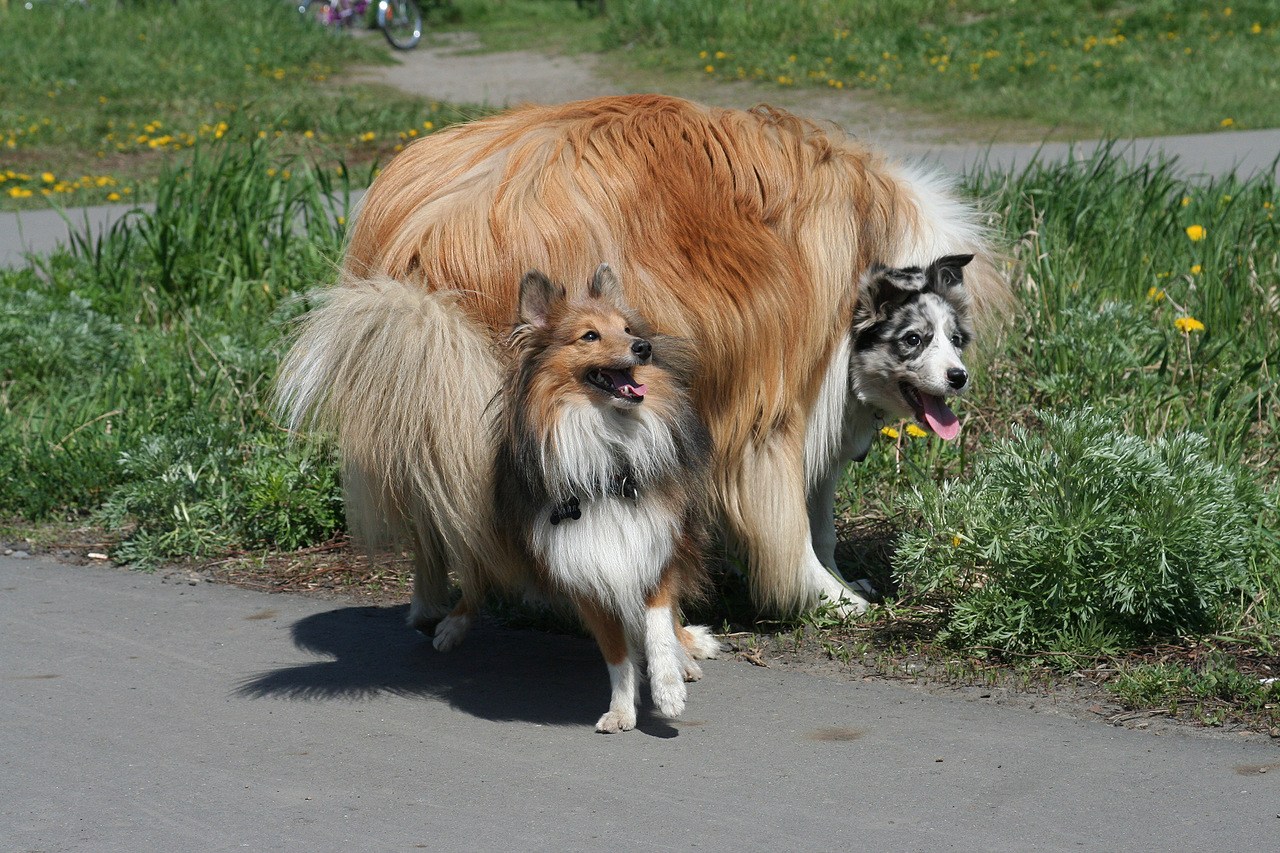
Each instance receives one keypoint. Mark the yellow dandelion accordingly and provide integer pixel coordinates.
(428, 125)
(1195, 233)
(113, 196)
(1155, 295)
(709, 69)
(1187, 325)
(889, 432)
(47, 177)
(1227, 122)
(955, 541)
(1196, 269)
(915, 431)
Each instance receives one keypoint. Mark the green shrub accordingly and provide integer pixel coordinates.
(1082, 537)
(202, 489)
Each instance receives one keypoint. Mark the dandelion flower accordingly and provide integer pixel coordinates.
(1195, 233)
(889, 432)
(915, 431)
(1227, 122)
(1187, 325)
(955, 541)
(47, 177)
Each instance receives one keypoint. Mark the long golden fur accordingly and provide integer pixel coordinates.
(744, 231)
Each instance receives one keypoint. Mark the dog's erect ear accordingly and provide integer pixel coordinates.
(947, 272)
(606, 285)
(884, 287)
(537, 296)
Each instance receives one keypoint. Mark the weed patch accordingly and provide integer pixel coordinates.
(1105, 68)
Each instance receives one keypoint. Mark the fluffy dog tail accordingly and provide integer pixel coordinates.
(401, 380)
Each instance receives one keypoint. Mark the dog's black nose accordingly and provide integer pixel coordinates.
(642, 350)
(957, 378)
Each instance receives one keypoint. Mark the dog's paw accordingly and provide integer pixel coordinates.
(669, 693)
(450, 631)
(699, 642)
(843, 600)
(425, 617)
(616, 721)
(692, 672)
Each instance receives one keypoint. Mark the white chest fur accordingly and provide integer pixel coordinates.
(615, 553)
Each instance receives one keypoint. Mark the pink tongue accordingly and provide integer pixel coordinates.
(624, 384)
(940, 419)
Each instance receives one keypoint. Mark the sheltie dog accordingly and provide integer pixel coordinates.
(601, 484)
(749, 233)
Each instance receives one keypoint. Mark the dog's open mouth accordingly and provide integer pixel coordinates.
(932, 411)
(617, 383)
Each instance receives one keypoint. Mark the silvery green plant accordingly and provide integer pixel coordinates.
(1083, 538)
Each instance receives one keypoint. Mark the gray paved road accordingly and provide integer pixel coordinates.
(1206, 155)
(141, 714)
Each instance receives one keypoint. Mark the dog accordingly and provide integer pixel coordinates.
(749, 233)
(601, 479)
(905, 358)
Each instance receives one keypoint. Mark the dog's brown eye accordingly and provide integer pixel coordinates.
(627, 329)
(912, 340)
(957, 341)
(592, 335)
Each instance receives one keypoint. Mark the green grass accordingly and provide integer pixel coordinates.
(1088, 66)
(95, 98)
(136, 366)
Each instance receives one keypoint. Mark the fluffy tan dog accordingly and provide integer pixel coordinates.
(748, 233)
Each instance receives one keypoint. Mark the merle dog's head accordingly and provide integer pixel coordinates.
(910, 327)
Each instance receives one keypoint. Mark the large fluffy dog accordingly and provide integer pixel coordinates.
(748, 233)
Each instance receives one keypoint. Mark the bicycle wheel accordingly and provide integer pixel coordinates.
(401, 22)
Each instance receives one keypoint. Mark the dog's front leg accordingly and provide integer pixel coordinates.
(612, 639)
(666, 657)
(822, 522)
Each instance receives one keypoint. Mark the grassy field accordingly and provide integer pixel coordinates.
(1083, 66)
(96, 98)
(1112, 502)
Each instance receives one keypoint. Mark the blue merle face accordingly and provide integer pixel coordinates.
(910, 329)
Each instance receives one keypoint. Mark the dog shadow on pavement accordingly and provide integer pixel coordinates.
(496, 674)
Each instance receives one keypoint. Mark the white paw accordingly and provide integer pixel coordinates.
(700, 643)
(669, 693)
(616, 721)
(692, 672)
(450, 631)
(843, 600)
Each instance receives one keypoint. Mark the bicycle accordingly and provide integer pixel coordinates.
(399, 20)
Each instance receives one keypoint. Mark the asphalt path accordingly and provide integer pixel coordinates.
(149, 713)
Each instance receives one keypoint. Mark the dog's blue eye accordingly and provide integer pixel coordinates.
(592, 335)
